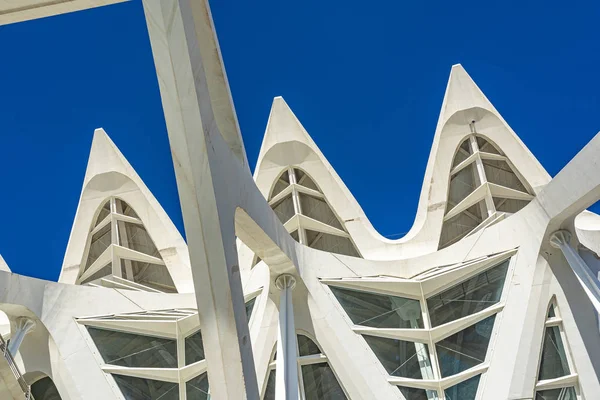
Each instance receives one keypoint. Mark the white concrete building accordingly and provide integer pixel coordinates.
(284, 290)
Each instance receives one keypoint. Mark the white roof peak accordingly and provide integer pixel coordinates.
(105, 157)
(462, 93)
(3, 265)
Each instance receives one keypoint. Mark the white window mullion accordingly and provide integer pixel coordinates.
(489, 208)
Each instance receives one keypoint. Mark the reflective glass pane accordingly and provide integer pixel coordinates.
(500, 173)
(284, 209)
(418, 394)
(104, 212)
(306, 346)
(554, 360)
(100, 242)
(469, 297)
(270, 388)
(379, 310)
(152, 275)
(197, 388)
(466, 390)
(466, 348)
(510, 206)
(555, 394)
(282, 182)
(304, 180)
(401, 358)
(194, 348)
(462, 184)
(319, 210)
(462, 154)
(551, 313)
(486, 146)
(104, 271)
(146, 389)
(126, 209)
(250, 307)
(43, 389)
(331, 243)
(460, 225)
(135, 237)
(131, 350)
(320, 383)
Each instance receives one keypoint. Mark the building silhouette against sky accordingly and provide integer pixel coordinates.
(284, 290)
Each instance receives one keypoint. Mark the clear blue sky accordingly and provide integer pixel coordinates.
(365, 78)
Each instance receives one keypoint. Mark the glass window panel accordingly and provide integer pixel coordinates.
(500, 173)
(304, 180)
(468, 297)
(126, 209)
(401, 358)
(460, 225)
(379, 310)
(250, 307)
(462, 184)
(270, 388)
(320, 383)
(418, 394)
(486, 146)
(331, 243)
(551, 313)
(146, 389)
(104, 271)
(151, 275)
(466, 348)
(282, 182)
(554, 394)
(466, 390)
(43, 389)
(136, 237)
(284, 209)
(194, 348)
(554, 359)
(306, 346)
(131, 350)
(197, 388)
(319, 210)
(510, 206)
(100, 242)
(295, 236)
(104, 212)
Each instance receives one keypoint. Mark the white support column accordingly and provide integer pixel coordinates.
(286, 381)
(24, 326)
(561, 240)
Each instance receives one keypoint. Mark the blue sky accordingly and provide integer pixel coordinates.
(365, 78)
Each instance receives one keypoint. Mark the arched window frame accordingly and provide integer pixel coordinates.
(299, 222)
(117, 250)
(484, 192)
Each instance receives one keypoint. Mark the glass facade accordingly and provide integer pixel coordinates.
(402, 358)
(379, 311)
(132, 350)
(557, 394)
(197, 388)
(417, 394)
(554, 359)
(194, 348)
(146, 389)
(466, 348)
(466, 390)
(469, 297)
(320, 383)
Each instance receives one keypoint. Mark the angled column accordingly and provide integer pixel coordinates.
(207, 150)
(286, 382)
(24, 326)
(561, 240)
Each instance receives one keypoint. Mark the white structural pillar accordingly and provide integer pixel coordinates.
(286, 382)
(561, 240)
(24, 326)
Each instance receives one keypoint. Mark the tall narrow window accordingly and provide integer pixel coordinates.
(555, 361)
(295, 194)
(484, 186)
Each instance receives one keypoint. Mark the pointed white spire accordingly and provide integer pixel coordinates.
(106, 157)
(283, 126)
(462, 93)
(3, 265)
